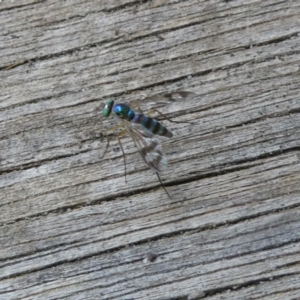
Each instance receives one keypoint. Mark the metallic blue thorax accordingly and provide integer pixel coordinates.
(123, 111)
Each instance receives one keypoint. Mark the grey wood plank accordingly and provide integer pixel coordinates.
(72, 228)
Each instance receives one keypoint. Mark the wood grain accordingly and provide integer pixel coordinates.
(72, 228)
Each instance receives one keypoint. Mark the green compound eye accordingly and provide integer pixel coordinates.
(107, 108)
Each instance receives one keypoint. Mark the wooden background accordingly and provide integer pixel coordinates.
(71, 228)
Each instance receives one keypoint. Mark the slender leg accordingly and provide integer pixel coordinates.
(120, 134)
(165, 117)
(119, 141)
(108, 140)
(163, 186)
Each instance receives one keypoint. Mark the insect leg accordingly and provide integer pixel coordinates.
(107, 137)
(163, 186)
(120, 134)
(165, 117)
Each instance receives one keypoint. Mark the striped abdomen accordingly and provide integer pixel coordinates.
(151, 124)
(124, 111)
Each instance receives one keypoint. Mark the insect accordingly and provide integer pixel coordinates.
(144, 130)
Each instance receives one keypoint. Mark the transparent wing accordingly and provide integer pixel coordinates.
(148, 146)
(161, 100)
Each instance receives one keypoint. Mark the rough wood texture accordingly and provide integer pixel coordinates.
(71, 228)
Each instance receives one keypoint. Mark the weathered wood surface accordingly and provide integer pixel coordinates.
(70, 226)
